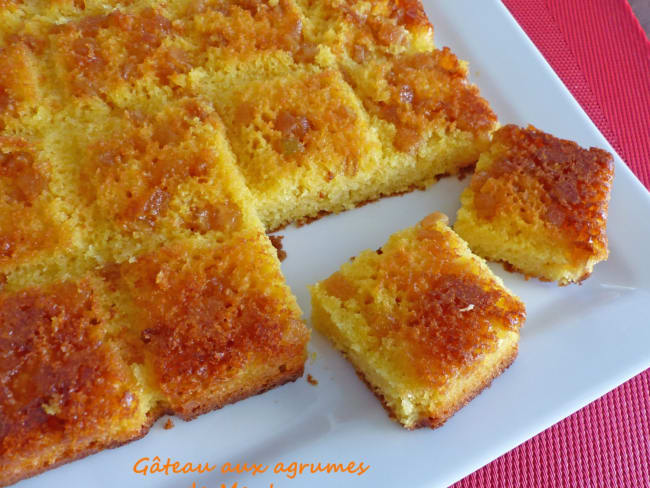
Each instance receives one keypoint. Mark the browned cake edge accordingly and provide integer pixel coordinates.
(287, 377)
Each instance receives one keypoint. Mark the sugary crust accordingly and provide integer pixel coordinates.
(243, 29)
(132, 174)
(65, 383)
(200, 319)
(422, 94)
(18, 81)
(444, 307)
(562, 184)
(11, 479)
(303, 129)
(360, 30)
(288, 377)
(27, 227)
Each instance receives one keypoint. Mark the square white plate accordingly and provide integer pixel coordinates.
(578, 343)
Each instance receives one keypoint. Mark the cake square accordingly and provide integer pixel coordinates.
(144, 168)
(539, 204)
(303, 144)
(424, 322)
(425, 110)
(204, 328)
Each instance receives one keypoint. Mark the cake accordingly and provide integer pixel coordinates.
(424, 322)
(146, 148)
(539, 204)
(136, 278)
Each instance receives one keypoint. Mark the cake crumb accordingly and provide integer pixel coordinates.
(169, 424)
(277, 244)
(311, 380)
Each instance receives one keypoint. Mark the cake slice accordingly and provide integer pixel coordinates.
(208, 323)
(424, 322)
(539, 204)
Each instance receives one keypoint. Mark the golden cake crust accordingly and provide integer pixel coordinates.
(428, 91)
(203, 318)
(553, 190)
(431, 287)
(64, 386)
(27, 224)
(360, 30)
(569, 185)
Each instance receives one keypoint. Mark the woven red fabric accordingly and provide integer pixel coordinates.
(600, 52)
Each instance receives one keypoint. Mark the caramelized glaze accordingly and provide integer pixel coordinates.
(135, 173)
(384, 25)
(540, 176)
(429, 91)
(246, 27)
(205, 318)
(445, 314)
(61, 383)
(26, 227)
(304, 119)
(100, 51)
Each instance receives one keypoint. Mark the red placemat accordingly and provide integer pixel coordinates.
(601, 53)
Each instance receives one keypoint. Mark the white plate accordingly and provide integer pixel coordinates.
(578, 343)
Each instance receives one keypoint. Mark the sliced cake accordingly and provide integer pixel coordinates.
(424, 322)
(136, 279)
(539, 204)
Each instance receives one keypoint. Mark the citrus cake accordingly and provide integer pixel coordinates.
(136, 279)
(424, 322)
(418, 97)
(145, 149)
(327, 104)
(539, 204)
